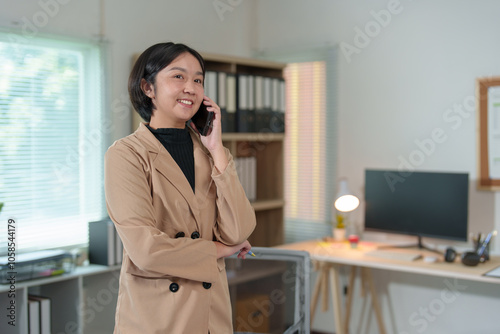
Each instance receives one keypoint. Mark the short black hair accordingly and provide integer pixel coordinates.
(150, 62)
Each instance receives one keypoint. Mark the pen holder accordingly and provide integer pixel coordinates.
(486, 254)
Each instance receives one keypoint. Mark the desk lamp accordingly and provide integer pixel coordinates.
(345, 202)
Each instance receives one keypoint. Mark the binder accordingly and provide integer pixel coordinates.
(44, 314)
(259, 103)
(246, 168)
(252, 179)
(267, 105)
(282, 107)
(102, 238)
(33, 316)
(229, 118)
(221, 97)
(251, 99)
(277, 119)
(211, 85)
(244, 117)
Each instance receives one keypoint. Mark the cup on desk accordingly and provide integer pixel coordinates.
(339, 234)
(353, 240)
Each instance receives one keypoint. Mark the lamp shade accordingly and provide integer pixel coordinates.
(345, 201)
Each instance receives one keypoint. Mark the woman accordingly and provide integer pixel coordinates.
(176, 202)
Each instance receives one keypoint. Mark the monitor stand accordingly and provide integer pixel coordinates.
(418, 245)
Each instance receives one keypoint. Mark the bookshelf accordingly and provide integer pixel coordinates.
(265, 144)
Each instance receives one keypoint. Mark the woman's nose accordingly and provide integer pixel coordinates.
(189, 87)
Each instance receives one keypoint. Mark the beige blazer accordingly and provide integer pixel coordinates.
(171, 281)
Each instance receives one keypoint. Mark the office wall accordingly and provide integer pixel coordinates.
(402, 76)
(129, 27)
(406, 85)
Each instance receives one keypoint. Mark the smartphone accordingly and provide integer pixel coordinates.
(203, 120)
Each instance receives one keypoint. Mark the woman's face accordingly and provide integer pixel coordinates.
(177, 93)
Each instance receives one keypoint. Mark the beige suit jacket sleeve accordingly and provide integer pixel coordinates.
(236, 217)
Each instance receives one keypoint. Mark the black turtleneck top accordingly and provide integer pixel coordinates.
(180, 146)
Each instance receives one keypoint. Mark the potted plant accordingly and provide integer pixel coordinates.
(339, 228)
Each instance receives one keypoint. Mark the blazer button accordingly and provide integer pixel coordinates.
(195, 235)
(174, 287)
(179, 235)
(207, 285)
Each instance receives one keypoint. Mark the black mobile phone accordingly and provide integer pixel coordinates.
(203, 120)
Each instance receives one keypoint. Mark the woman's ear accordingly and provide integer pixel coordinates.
(147, 88)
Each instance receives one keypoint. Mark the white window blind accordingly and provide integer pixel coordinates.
(51, 141)
(310, 143)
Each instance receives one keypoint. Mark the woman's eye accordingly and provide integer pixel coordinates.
(198, 81)
(178, 76)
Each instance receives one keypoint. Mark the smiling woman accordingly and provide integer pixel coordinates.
(176, 202)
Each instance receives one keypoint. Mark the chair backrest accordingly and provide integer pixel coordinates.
(270, 292)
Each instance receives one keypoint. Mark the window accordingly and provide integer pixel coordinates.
(310, 144)
(51, 141)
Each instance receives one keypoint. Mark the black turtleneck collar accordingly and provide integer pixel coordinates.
(179, 144)
(172, 135)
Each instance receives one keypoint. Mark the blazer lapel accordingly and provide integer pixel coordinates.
(166, 166)
(203, 165)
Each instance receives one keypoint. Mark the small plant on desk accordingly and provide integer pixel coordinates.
(339, 229)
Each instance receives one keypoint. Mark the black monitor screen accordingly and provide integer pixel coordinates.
(426, 204)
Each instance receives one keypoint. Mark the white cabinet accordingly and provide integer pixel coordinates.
(82, 302)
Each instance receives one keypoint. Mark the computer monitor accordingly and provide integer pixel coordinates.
(424, 204)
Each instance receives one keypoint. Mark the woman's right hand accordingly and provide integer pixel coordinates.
(225, 251)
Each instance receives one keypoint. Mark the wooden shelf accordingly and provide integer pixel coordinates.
(242, 61)
(256, 137)
(268, 204)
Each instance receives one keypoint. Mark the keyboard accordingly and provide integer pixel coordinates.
(394, 255)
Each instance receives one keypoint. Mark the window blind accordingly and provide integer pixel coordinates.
(310, 142)
(51, 141)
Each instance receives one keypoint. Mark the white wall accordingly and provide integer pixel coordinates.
(404, 83)
(394, 92)
(132, 26)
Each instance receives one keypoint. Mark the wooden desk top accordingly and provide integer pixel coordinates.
(342, 253)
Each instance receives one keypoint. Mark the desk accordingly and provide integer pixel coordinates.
(331, 255)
